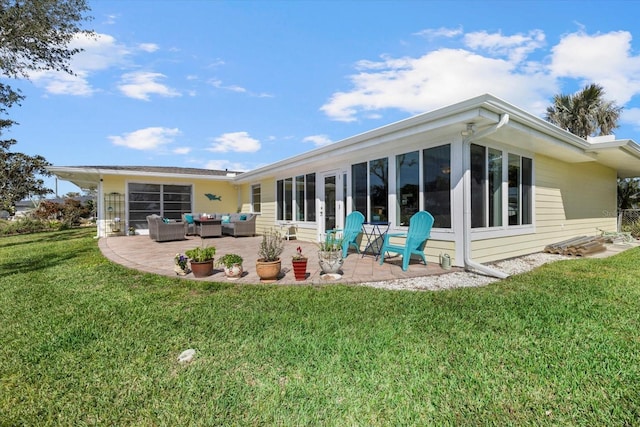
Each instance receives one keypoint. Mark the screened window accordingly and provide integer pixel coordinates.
(489, 202)
(437, 184)
(256, 198)
(296, 198)
(169, 201)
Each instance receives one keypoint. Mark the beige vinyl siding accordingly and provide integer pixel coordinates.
(267, 218)
(572, 199)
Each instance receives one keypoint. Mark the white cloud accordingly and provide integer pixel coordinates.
(100, 52)
(503, 65)
(141, 84)
(233, 88)
(432, 33)
(515, 47)
(146, 139)
(318, 140)
(182, 150)
(438, 78)
(148, 47)
(606, 59)
(235, 141)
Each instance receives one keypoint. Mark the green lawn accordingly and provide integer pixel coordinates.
(84, 341)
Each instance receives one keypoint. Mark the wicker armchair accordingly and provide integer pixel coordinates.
(163, 232)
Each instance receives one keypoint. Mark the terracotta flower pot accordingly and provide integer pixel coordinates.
(300, 268)
(202, 269)
(268, 271)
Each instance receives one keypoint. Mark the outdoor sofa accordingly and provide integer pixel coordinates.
(163, 230)
(237, 224)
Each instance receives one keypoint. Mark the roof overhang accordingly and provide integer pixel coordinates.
(89, 177)
(622, 155)
(524, 131)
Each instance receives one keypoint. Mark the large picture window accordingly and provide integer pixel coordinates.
(296, 198)
(169, 201)
(370, 182)
(436, 174)
(495, 196)
(407, 186)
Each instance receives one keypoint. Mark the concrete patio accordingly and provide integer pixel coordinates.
(143, 254)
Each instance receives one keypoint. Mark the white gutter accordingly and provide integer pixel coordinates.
(469, 263)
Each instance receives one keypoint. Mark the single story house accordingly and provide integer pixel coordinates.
(499, 181)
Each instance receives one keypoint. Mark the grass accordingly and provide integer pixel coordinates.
(86, 342)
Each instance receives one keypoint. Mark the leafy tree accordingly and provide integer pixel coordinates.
(628, 193)
(34, 36)
(585, 113)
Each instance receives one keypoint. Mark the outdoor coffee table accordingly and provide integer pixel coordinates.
(208, 227)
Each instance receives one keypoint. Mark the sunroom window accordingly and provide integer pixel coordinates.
(370, 189)
(296, 198)
(501, 186)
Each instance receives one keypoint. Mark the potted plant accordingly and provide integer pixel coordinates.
(201, 260)
(232, 264)
(268, 264)
(330, 255)
(299, 262)
(181, 268)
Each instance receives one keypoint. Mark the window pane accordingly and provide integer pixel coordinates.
(408, 186)
(300, 199)
(495, 188)
(527, 191)
(379, 190)
(288, 199)
(280, 199)
(478, 186)
(311, 197)
(437, 184)
(359, 188)
(147, 188)
(514, 189)
(256, 198)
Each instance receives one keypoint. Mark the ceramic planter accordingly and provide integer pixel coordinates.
(233, 272)
(330, 261)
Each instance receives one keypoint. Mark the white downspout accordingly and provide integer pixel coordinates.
(469, 263)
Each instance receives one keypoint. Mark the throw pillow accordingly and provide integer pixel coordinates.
(189, 218)
(243, 217)
(165, 220)
(226, 219)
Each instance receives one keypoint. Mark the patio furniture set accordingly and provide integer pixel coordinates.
(203, 225)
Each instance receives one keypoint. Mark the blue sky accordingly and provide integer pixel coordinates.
(237, 85)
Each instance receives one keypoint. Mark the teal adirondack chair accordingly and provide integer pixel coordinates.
(350, 233)
(416, 238)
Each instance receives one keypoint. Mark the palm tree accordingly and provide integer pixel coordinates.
(628, 193)
(585, 113)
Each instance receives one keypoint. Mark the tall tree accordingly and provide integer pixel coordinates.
(34, 36)
(628, 193)
(585, 113)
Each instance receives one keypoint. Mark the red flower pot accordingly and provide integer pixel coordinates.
(300, 268)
